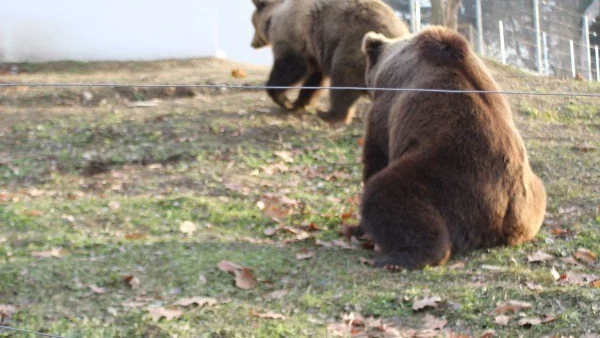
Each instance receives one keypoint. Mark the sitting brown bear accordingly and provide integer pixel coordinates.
(444, 173)
(313, 40)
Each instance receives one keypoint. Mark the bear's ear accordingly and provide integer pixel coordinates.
(261, 4)
(372, 45)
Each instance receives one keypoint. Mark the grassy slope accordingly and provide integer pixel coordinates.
(203, 159)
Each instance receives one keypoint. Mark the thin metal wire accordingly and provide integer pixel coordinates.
(574, 14)
(30, 332)
(261, 87)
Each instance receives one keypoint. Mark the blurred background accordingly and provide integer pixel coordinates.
(557, 38)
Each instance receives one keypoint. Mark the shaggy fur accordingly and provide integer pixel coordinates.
(443, 173)
(318, 40)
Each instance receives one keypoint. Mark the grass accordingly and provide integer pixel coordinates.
(110, 185)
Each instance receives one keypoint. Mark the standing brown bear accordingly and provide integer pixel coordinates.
(313, 40)
(443, 173)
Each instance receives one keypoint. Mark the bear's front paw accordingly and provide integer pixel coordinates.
(286, 104)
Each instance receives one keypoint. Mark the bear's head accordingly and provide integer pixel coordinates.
(261, 19)
(396, 61)
(378, 49)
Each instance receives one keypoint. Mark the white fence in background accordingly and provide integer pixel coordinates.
(548, 45)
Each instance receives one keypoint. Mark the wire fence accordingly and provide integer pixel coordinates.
(264, 87)
(33, 333)
(547, 37)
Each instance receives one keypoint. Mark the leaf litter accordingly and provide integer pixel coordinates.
(267, 315)
(512, 306)
(162, 312)
(244, 277)
(425, 303)
(200, 301)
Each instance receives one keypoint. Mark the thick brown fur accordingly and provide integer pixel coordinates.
(443, 173)
(318, 40)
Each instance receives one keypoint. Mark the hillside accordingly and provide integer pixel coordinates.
(116, 203)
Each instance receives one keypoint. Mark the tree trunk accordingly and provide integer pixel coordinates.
(437, 13)
(452, 14)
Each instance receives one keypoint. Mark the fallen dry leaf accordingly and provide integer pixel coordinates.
(97, 290)
(187, 227)
(200, 301)
(559, 231)
(131, 281)
(340, 243)
(112, 311)
(493, 267)
(271, 231)
(275, 168)
(160, 312)
(237, 188)
(244, 279)
(584, 147)
(274, 207)
(311, 227)
(539, 256)
(227, 266)
(34, 213)
(595, 283)
(284, 155)
(339, 329)
(7, 310)
(431, 302)
(554, 273)
(502, 320)
(433, 323)
(548, 318)
(277, 294)
(353, 318)
(267, 315)
(298, 238)
(457, 266)
(354, 325)
(354, 200)
(305, 254)
(367, 261)
(257, 240)
(512, 306)
(586, 255)
(324, 244)
(529, 322)
(488, 333)
(135, 236)
(114, 205)
(577, 278)
(238, 73)
(534, 286)
(570, 260)
(134, 304)
(54, 252)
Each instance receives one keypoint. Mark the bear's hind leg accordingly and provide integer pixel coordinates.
(343, 105)
(375, 159)
(427, 244)
(343, 102)
(307, 96)
(288, 70)
(410, 231)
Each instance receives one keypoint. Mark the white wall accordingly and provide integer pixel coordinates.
(43, 30)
